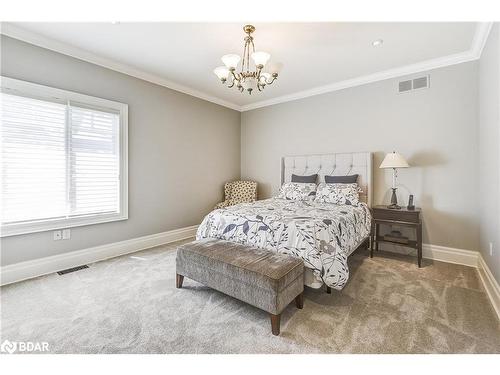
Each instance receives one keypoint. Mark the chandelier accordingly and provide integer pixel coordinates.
(246, 79)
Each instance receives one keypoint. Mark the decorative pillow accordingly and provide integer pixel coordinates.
(341, 179)
(297, 191)
(305, 179)
(344, 194)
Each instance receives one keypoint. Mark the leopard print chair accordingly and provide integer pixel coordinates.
(238, 192)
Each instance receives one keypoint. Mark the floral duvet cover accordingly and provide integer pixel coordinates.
(322, 234)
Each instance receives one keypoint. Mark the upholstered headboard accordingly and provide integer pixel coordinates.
(341, 164)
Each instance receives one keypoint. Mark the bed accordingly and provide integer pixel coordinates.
(322, 234)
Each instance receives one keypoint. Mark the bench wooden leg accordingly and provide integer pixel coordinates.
(299, 301)
(329, 290)
(275, 324)
(178, 280)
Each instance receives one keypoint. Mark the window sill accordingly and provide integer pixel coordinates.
(47, 225)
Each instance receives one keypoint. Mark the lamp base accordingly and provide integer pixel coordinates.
(394, 207)
(394, 201)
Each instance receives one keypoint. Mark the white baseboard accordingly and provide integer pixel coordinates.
(439, 253)
(450, 255)
(38, 267)
(490, 284)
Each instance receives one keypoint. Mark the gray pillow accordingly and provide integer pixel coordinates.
(341, 179)
(305, 179)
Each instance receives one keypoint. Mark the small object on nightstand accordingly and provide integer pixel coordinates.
(410, 203)
(382, 215)
(394, 160)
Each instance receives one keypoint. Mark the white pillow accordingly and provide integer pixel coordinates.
(297, 191)
(343, 194)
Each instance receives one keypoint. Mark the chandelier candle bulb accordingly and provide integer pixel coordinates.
(247, 78)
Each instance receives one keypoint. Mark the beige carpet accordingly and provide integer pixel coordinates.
(130, 305)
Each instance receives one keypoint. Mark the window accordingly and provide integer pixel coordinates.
(63, 159)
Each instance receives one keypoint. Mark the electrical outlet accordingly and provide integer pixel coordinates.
(57, 235)
(491, 249)
(66, 234)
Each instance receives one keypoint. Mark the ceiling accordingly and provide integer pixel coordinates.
(314, 57)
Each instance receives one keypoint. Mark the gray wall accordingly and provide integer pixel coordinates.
(181, 150)
(489, 153)
(435, 129)
(177, 141)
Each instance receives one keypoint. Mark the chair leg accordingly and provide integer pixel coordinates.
(275, 324)
(178, 280)
(329, 290)
(299, 300)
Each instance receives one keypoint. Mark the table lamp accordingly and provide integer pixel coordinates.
(394, 161)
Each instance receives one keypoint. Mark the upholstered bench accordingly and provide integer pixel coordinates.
(262, 278)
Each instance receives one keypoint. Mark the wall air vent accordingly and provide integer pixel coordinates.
(405, 86)
(414, 84)
(421, 83)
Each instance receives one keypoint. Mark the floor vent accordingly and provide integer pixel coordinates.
(63, 272)
(414, 84)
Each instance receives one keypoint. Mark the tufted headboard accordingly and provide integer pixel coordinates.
(341, 164)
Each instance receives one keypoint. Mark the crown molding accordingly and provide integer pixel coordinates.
(363, 80)
(478, 42)
(480, 37)
(78, 53)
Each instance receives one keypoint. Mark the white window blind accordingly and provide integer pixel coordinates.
(60, 163)
(93, 162)
(33, 159)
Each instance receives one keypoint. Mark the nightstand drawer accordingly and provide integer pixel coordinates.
(396, 215)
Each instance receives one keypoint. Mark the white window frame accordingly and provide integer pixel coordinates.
(23, 88)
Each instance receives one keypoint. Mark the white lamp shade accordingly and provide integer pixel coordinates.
(222, 72)
(394, 160)
(260, 58)
(275, 67)
(231, 60)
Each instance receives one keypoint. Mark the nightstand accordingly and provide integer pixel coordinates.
(402, 217)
